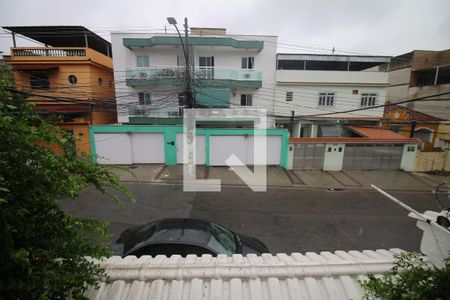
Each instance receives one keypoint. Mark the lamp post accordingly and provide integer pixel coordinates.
(185, 45)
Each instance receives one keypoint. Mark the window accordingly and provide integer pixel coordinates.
(142, 61)
(289, 96)
(100, 81)
(326, 99)
(144, 98)
(72, 79)
(425, 134)
(39, 81)
(247, 62)
(206, 67)
(368, 99)
(246, 99)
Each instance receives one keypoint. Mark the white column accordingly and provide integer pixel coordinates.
(313, 130)
(299, 129)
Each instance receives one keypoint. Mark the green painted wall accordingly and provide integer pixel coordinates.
(170, 136)
(193, 40)
(212, 98)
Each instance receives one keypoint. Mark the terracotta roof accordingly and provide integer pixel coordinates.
(368, 135)
(413, 114)
(352, 140)
(375, 133)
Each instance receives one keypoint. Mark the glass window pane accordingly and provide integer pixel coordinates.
(243, 100)
(250, 62)
(244, 63)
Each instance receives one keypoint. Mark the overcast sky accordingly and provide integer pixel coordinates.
(381, 27)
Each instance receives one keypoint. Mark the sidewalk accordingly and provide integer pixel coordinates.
(278, 177)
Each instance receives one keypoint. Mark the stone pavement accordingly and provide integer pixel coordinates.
(278, 177)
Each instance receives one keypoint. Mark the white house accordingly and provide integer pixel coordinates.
(226, 70)
(316, 86)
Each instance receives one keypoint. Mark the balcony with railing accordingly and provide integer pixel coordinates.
(211, 76)
(58, 54)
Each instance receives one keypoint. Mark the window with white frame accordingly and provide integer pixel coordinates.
(144, 98)
(142, 61)
(289, 96)
(246, 100)
(247, 62)
(326, 99)
(368, 99)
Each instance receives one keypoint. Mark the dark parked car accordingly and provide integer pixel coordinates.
(183, 237)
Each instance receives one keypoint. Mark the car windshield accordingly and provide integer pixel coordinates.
(222, 240)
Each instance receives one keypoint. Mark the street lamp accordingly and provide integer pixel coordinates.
(173, 22)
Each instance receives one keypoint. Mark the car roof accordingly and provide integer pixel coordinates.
(179, 230)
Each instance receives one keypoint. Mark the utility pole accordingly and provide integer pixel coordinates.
(291, 125)
(185, 45)
(190, 100)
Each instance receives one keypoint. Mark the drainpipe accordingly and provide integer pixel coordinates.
(437, 74)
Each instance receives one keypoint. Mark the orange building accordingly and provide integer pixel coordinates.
(70, 79)
(411, 123)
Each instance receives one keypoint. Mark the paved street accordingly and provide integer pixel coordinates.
(286, 219)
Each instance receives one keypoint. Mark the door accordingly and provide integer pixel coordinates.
(221, 147)
(206, 67)
(147, 148)
(372, 156)
(334, 156)
(308, 156)
(113, 148)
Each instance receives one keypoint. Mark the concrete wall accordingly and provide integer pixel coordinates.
(443, 132)
(332, 77)
(306, 100)
(439, 109)
(432, 161)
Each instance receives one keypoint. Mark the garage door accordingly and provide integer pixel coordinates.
(147, 148)
(308, 156)
(113, 148)
(200, 149)
(372, 156)
(222, 147)
(126, 148)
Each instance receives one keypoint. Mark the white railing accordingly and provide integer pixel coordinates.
(49, 52)
(206, 73)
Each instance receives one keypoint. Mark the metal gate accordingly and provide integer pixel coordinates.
(308, 156)
(372, 156)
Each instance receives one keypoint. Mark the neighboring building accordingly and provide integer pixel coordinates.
(313, 85)
(70, 79)
(411, 123)
(417, 74)
(227, 71)
(361, 148)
